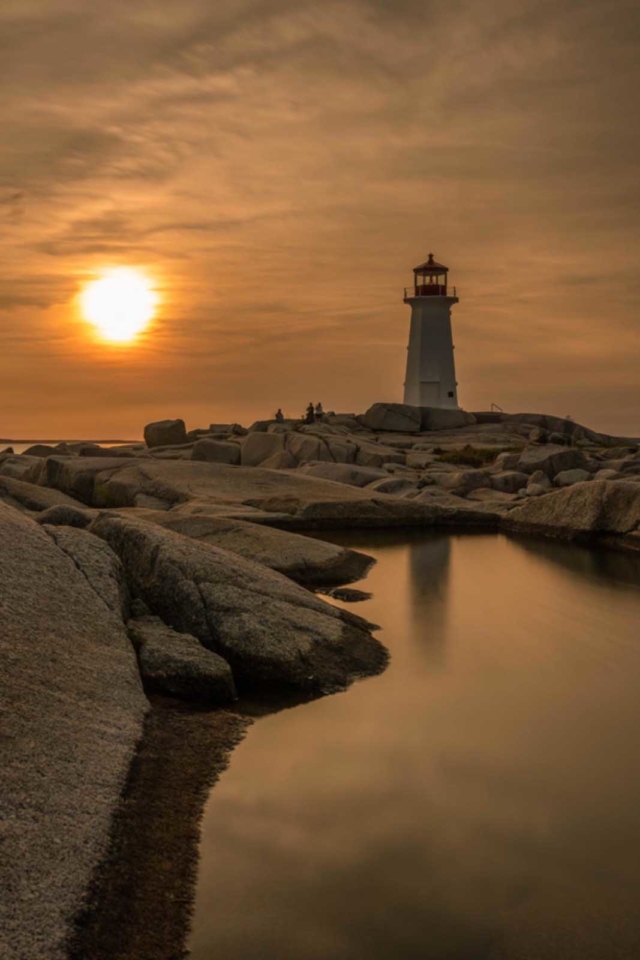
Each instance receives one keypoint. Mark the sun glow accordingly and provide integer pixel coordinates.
(120, 305)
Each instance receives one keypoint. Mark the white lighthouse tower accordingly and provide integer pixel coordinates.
(431, 375)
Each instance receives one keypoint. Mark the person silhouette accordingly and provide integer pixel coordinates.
(319, 413)
(310, 415)
(279, 417)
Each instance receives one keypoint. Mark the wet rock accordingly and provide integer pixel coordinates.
(216, 451)
(177, 665)
(164, 433)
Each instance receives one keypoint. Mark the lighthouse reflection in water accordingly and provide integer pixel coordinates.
(478, 800)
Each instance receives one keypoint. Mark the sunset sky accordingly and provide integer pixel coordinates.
(277, 168)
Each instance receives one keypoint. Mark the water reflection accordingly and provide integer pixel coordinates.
(429, 559)
(478, 800)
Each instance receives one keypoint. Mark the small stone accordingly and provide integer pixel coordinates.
(177, 664)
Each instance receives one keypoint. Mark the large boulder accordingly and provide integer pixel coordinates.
(177, 665)
(398, 417)
(304, 559)
(216, 451)
(551, 459)
(269, 629)
(440, 418)
(582, 511)
(73, 710)
(165, 433)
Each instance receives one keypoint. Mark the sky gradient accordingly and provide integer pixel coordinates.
(279, 167)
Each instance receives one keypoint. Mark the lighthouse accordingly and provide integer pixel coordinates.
(431, 375)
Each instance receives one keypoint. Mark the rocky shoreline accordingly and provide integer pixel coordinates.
(179, 568)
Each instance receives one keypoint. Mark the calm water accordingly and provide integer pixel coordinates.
(481, 799)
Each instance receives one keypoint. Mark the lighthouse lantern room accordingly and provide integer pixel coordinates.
(430, 379)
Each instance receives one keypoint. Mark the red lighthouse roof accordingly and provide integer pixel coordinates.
(431, 266)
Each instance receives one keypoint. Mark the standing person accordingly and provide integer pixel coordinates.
(319, 411)
(310, 416)
(279, 417)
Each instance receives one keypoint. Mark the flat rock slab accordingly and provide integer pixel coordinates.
(269, 629)
(177, 665)
(34, 497)
(73, 710)
(304, 559)
(295, 501)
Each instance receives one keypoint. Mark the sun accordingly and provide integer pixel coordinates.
(120, 304)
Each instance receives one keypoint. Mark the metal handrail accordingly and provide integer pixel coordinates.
(409, 292)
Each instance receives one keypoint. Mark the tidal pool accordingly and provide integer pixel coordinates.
(480, 799)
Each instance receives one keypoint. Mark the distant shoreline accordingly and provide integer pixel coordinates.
(67, 440)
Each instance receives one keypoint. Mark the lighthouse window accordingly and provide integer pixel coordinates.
(450, 394)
